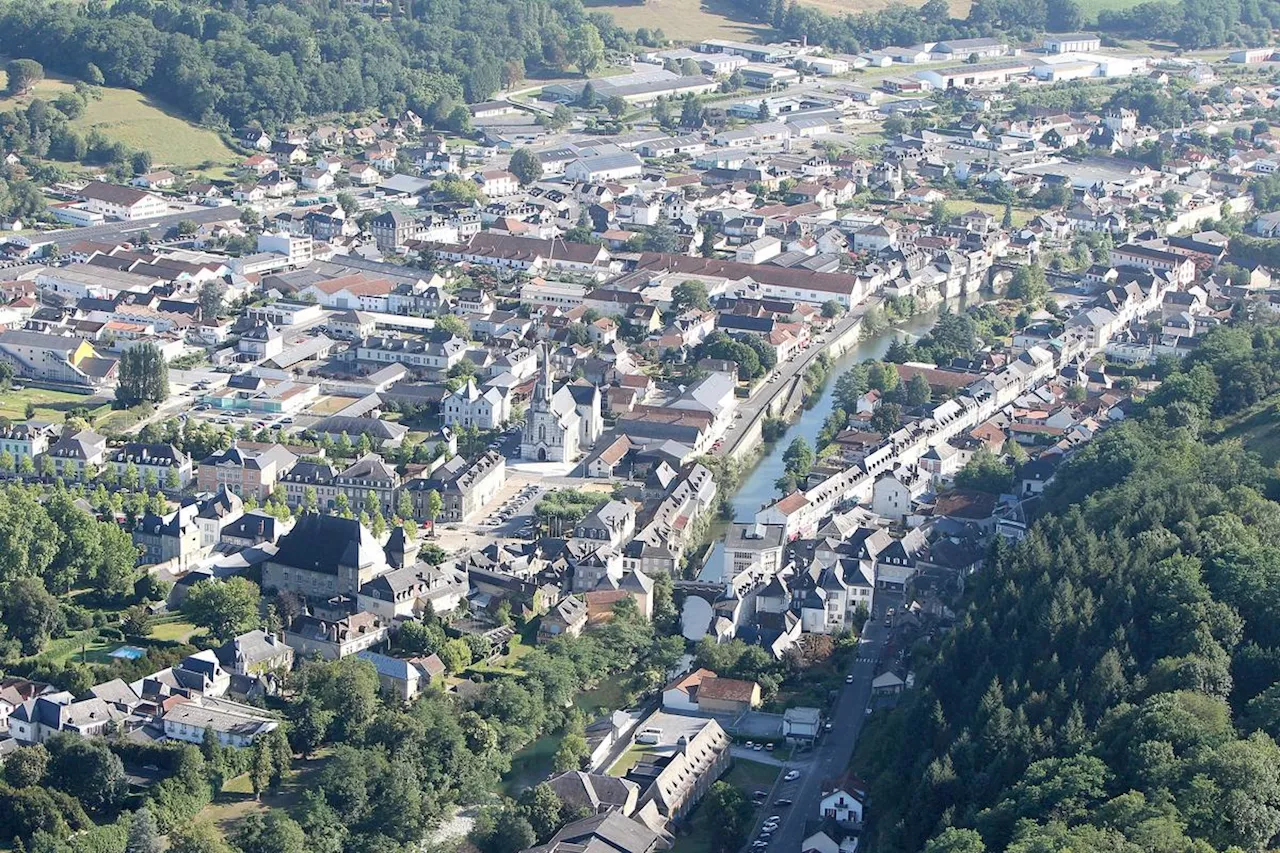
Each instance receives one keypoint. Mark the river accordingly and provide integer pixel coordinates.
(758, 489)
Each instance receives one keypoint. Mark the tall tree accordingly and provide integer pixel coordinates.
(142, 376)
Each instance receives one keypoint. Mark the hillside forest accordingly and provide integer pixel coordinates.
(1113, 682)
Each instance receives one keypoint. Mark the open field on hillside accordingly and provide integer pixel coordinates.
(693, 20)
(129, 117)
(683, 20)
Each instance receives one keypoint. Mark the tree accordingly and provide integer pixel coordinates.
(24, 768)
(831, 309)
(31, 613)
(939, 214)
(729, 811)
(616, 106)
(454, 325)
(23, 75)
(561, 117)
(690, 294)
(587, 48)
(691, 113)
(918, 391)
(953, 840)
(1029, 285)
(197, 836)
(798, 458)
(87, 769)
(662, 112)
(275, 833)
(502, 831)
(886, 418)
(435, 505)
(985, 473)
(542, 807)
(211, 298)
(571, 752)
(144, 835)
(525, 166)
(455, 654)
(225, 608)
(143, 376)
(762, 112)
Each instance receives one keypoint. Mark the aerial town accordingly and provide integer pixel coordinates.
(738, 447)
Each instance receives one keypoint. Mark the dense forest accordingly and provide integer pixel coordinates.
(233, 62)
(1113, 681)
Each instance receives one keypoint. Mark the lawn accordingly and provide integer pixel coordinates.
(628, 759)
(751, 775)
(1021, 215)
(94, 649)
(236, 801)
(50, 405)
(134, 119)
(172, 629)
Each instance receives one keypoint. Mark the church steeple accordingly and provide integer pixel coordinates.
(543, 391)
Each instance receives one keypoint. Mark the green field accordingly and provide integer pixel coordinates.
(129, 117)
(50, 406)
(86, 645)
(236, 801)
(693, 20)
(172, 629)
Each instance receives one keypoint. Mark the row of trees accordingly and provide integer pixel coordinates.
(1110, 682)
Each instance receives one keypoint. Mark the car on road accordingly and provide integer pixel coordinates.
(783, 803)
(774, 818)
(758, 747)
(848, 679)
(827, 727)
(867, 711)
(792, 775)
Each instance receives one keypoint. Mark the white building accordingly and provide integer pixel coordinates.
(126, 203)
(296, 248)
(234, 724)
(469, 406)
(1072, 43)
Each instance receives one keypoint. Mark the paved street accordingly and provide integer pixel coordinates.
(831, 756)
(124, 230)
(752, 408)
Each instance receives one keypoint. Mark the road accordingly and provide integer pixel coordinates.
(754, 406)
(830, 758)
(156, 227)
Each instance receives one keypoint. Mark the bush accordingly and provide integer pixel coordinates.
(77, 618)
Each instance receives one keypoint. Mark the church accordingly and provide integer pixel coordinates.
(552, 425)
